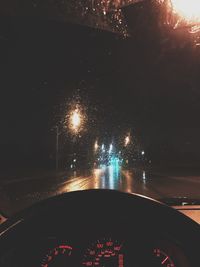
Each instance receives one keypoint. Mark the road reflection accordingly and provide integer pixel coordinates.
(132, 181)
(106, 177)
(109, 177)
(140, 181)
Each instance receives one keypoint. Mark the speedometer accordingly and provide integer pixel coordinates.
(104, 253)
(162, 259)
(58, 256)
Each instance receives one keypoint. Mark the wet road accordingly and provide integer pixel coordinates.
(18, 194)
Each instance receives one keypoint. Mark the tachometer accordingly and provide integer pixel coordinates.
(162, 259)
(58, 256)
(104, 253)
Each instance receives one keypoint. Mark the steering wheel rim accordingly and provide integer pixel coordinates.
(148, 213)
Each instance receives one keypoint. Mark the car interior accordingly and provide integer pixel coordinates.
(102, 228)
(99, 140)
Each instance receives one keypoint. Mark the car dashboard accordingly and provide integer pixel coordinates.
(108, 249)
(105, 233)
(191, 211)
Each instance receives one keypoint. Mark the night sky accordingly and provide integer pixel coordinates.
(145, 83)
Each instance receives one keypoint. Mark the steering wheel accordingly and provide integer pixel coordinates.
(103, 212)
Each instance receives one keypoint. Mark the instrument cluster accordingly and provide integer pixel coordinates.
(112, 252)
(109, 236)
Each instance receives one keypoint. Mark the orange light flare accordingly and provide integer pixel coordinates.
(127, 140)
(188, 10)
(183, 16)
(96, 146)
(76, 120)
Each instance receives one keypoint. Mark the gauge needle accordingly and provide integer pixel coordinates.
(164, 260)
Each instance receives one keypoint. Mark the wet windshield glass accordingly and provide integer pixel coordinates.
(99, 95)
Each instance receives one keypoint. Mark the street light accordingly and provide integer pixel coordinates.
(96, 146)
(111, 148)
(127, 140)
(103, 148)
(75, 120)
(75, 123)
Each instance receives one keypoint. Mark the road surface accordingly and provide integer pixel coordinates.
(17, 194)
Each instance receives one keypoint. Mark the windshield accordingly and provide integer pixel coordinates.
(99, 94)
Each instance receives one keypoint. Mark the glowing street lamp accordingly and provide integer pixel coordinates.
(96, 146)
(103, 148)
(110, 148)
(127, 140)
(76, 120)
